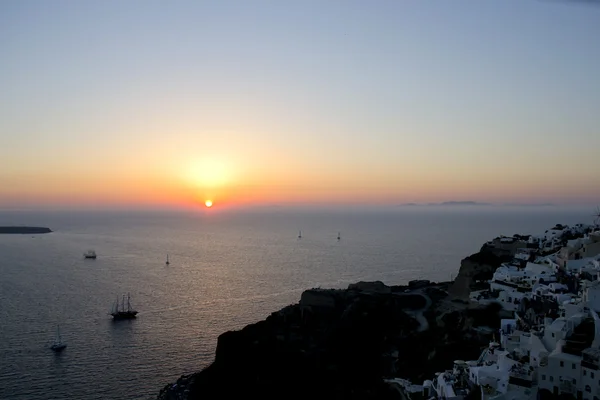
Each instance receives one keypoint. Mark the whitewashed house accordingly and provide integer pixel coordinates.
(574, 372)
(591, 295)
(590, 373)
(561, 374)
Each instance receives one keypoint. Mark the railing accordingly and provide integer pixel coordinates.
(567, 387)
(523, 382)
(521, 375)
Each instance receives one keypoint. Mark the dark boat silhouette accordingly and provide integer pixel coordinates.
(58, 344)
(123, 312)
(90, 254)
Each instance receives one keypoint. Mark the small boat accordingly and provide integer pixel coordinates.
(58, 344)
(167, 263)
(339, 236)
(90, 254)
(122, 312)
(299, 234)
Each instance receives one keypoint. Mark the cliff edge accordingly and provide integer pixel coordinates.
(341, 343)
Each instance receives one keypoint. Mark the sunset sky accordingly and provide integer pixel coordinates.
(157, 103)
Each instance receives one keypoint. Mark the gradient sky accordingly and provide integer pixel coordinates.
(260, 102)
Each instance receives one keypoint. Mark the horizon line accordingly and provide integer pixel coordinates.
(294, 206)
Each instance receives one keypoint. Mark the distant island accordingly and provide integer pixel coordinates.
(450, 203)
(461, 203)
(468, 203)
(529, 205)
(24, 230)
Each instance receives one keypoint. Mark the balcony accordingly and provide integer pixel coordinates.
(567, 387)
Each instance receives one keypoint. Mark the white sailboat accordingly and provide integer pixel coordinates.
(58, 344)
(299, 234)
(167, 263)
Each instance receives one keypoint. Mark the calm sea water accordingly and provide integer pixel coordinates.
(227, 270)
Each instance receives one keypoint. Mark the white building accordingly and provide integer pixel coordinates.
(453, 385)
(514, 284)
(510, 298)
(591, 295)
(590, 371)
(561, 374)
(572, 371)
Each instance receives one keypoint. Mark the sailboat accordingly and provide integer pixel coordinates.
(167, 263)
(299, 234)
(91, 254)
(58, 344)
(339, 237)
(123, 313)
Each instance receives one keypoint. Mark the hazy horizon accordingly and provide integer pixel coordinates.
(147, 104)
(587, 211)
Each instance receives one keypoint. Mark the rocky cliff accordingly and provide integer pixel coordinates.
(479, 267)
(341, 343)
(476, 268)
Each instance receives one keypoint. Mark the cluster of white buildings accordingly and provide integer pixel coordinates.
(536, 356)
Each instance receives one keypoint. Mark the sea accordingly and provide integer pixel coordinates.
(227, 269)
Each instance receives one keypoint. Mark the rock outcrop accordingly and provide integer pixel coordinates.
(341, 343)
(373, 287)
(478, 267)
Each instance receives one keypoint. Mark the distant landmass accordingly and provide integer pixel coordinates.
(24, 230)
(529, 205)
(451, 203)
(461, 203)
(477, 203)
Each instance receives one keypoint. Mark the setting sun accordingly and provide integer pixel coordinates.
(208, 203)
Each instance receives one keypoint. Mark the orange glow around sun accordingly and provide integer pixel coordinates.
(208, 203)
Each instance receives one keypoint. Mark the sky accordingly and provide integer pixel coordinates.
(154, 103)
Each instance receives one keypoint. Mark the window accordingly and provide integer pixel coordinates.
(543, 377)
(574, 381)
(584, 372)
(562, 363)
(592, 375)
(551, 378)
(573, 367)
(553, 335)
(588, 388)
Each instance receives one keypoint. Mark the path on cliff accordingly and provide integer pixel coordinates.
(418, 314)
